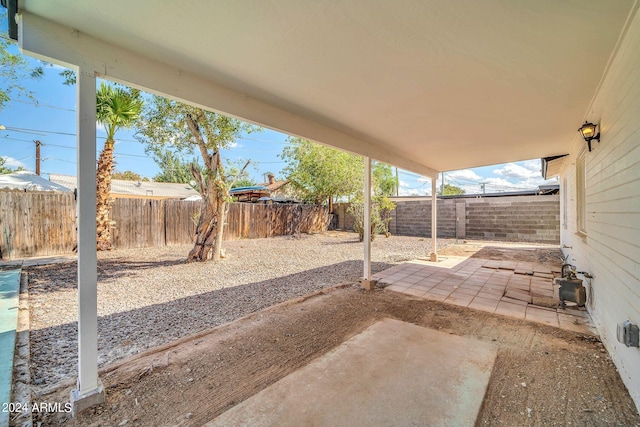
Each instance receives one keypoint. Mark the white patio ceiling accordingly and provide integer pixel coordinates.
(426, 85)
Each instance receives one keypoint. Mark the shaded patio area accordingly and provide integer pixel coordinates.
(514, 288)
(562, 377)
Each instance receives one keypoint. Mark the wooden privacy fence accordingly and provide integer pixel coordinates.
(146, 223)
(36, 223)
(255, 221)
(43, 223)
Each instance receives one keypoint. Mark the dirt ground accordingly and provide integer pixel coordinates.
(503, 251)
(542, 375)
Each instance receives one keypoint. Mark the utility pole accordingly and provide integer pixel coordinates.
(38, 143)
(442, 185)
(483, 187)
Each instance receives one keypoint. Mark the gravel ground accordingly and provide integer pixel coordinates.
(148, 297)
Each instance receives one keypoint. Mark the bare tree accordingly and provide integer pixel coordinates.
(191, 129)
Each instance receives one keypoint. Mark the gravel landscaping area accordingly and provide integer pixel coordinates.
(148, 297)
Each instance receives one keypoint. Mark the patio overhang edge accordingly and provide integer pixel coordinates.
(47, 40)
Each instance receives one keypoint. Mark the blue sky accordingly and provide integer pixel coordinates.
(50, 118)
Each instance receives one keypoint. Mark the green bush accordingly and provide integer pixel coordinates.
(381, 207)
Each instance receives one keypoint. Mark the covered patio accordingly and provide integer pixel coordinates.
(425, 86)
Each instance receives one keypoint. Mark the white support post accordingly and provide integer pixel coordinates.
(89, 390)
(366, 280)
(434, 222)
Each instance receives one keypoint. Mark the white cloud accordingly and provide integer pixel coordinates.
(516, 176)
(501, 184)
(11, 162)
(497, 184)
(470, 188)
(533, 165)
(464, 174)
(413, 192)
(402, 183)
(513, 170)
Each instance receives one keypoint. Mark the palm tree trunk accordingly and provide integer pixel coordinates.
(103, 201)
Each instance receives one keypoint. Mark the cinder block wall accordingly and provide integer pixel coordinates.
(528, 219)
(518, 218)
(413, 218)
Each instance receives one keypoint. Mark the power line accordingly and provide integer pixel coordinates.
(59, 146)
(16, 139)
(41, 132)
(404, 172)
(38, 104)
(132, 155)
(264, 140)
(115, 154)
(414, 188)
(58, 159)
(465, 180)
(74, 148)
(249, 150)
(23, 151)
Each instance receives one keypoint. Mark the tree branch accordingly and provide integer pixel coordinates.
(239, 174)
(197, 175)
(195, 131)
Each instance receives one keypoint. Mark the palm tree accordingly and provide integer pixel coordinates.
(117, 108)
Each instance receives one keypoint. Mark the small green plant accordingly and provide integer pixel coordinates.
(381, 208)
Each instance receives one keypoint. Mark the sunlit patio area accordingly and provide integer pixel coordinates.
(519, 289)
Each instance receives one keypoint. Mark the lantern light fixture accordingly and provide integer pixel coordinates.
(588, 132)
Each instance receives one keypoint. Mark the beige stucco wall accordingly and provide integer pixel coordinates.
(610, 249)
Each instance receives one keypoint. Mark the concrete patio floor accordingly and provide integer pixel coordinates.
(488, 285)
(392, 373)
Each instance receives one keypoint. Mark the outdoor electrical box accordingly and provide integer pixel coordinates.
(628, 334)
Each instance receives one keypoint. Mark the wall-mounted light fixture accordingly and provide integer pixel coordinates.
(588, 132)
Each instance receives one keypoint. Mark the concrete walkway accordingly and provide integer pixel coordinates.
(392, 374)
(501, 287)
(36, 261)
(9, 291)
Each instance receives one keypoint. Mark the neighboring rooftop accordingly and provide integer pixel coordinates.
(138, 189)
(273, 185)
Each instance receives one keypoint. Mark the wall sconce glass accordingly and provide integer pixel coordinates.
(588, 132)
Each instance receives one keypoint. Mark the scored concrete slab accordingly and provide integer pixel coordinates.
(393, 373)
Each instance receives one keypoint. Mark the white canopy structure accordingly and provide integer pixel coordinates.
(28, 181)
